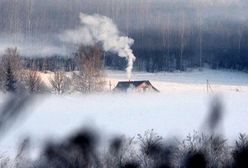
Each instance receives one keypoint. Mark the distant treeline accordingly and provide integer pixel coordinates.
(50, 63)
(225, 47)
(217, 45)
(169, 35)
(172, 50)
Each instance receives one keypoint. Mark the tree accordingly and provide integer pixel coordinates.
(10, 81)
(199, 9)
(33, 81)
(59, 82)
(200, 38)
(182, 43)
(10, 69)
(1, 78)
(12, 58)
(90, 78)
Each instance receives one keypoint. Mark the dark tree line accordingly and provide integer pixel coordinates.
(219, 48)
(224, 47)
(169, 35)
(50, 63)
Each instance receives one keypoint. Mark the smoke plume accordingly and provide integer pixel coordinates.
(101, 29)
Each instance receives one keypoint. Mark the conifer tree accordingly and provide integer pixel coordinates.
(10, 79)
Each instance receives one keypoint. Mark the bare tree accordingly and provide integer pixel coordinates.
(79, 83)
(200, 24)
(240, 34)
(59, 82)
(182, 45)
(90, 78)
(12, 57)
(33, 81)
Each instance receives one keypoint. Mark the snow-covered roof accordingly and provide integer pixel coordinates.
(126, 85)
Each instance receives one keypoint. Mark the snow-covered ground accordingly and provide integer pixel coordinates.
(219, 80)
(180, 108)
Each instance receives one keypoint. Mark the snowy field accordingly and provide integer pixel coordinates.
(220, 81)
(181, 108)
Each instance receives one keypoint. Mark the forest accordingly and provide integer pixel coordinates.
(168, 36)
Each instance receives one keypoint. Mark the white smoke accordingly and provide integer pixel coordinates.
(101, 29)
(35, 46)
(34, 49)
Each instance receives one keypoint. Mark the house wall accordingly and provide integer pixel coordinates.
(144, 88)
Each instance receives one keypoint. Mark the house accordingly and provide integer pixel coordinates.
(135, 86)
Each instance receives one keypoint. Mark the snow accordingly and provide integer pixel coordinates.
(180, 108)
(220, 80)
